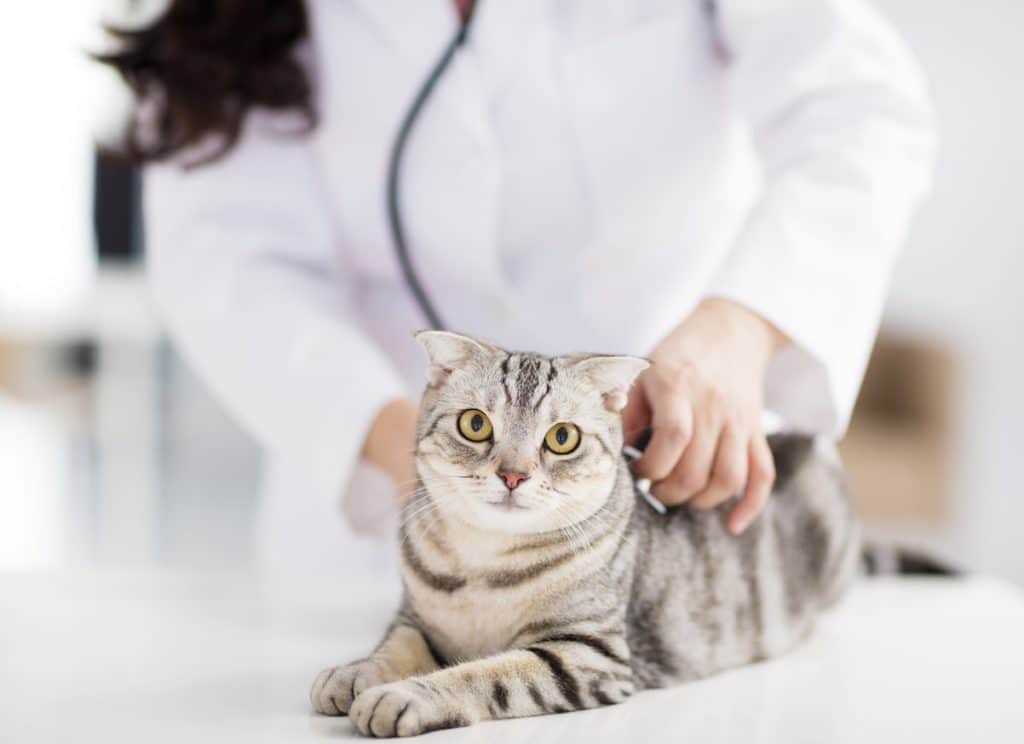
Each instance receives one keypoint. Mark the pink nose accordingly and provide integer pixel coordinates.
(512, 479)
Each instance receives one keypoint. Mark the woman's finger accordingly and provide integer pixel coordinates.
(636, 416)
(729, 472)
(672, 424)
(692, 471)
(761, 476)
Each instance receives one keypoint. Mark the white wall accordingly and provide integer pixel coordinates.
(961, 279)
(46, 242)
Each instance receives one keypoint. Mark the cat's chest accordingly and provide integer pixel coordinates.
(476, 620)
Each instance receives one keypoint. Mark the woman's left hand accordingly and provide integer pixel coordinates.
(702, 398)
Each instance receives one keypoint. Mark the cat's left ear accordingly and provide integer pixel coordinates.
(612, 376)
(449, 351)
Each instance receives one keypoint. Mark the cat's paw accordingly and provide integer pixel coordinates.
(405, 708)
(336, 688)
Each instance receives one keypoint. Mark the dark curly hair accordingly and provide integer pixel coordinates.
(202, 65)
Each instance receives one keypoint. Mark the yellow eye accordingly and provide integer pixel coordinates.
(562, 438)
(475, 426)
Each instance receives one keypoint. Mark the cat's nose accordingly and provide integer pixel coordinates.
(512, 478)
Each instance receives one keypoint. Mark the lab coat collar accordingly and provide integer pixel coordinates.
(419, 32)
(501, 41)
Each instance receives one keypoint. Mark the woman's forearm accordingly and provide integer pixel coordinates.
(390, 440)
(716, 323)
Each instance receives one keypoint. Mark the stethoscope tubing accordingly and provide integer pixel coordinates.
(398, 149)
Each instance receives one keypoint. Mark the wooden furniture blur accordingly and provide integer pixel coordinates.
(897, 449)
(7, 354)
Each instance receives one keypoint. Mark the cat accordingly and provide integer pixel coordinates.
(537, 582)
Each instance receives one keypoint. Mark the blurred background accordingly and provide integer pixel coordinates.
(111, 452)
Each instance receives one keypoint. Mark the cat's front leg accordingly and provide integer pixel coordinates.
(548, 677)
(403, 653)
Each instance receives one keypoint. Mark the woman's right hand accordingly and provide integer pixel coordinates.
(703, 399)
(390, 442)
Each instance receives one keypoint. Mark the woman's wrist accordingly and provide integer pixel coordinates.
(390, 440)
(718, 324)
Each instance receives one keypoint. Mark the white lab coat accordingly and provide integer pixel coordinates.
(583, 175)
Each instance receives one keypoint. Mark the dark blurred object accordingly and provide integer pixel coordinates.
(80, 358)
(45, 374)
(117, 209)
(898, 448)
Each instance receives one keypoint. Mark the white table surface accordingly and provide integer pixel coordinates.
(158, 657)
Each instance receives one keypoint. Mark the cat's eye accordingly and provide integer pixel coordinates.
(562, 438)
(475, 426)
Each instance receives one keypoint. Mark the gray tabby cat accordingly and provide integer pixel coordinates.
(536, 582)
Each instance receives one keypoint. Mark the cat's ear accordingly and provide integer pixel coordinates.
(612, 376)
(449, 351)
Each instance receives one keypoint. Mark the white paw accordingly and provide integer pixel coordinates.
(405, 708)
(335, 688)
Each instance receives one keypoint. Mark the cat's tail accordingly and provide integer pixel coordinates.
(878, 559)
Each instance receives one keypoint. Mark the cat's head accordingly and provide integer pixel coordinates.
(519, 442)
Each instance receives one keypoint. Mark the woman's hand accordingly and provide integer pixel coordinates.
(390, 441)
(703, 399)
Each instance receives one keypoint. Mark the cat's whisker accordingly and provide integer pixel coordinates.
(422, 523)
(412, 513)
(431, 479)
(578, 536)
(575, 536)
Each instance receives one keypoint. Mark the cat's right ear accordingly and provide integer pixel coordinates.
(449, 351)
(612, 376)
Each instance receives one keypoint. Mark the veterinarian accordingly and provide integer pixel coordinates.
(721, 186)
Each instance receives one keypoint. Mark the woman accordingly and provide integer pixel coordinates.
(721, 186)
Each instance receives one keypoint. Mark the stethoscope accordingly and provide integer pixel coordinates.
(412, 280)
(395, 222)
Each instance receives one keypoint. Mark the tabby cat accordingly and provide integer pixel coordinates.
(537, 582)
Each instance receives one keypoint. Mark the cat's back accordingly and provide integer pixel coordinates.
(704, 600)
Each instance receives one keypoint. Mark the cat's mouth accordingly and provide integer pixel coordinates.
(508, 502)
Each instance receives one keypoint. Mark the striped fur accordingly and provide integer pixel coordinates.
(579, 595)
